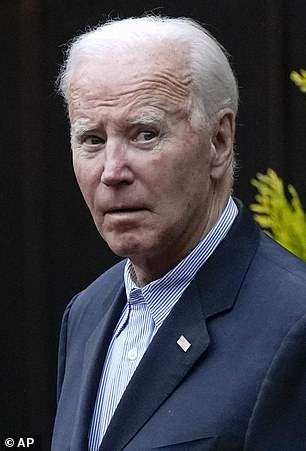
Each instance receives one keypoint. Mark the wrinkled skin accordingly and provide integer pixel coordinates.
(153, 183)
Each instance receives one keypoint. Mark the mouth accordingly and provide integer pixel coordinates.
(124, 210)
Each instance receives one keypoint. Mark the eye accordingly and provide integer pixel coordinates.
(145, 136)
(93, 140)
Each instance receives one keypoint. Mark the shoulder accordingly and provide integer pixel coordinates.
(276, 261)
(272, 293)
(283, 259)
(276, 283)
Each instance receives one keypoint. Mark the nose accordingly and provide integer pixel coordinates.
(116, 168)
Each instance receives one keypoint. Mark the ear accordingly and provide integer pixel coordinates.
(222, 143)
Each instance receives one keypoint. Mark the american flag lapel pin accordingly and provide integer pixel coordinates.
(183, 343)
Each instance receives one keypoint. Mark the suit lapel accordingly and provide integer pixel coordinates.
(221, 277)
(160, 371)
(165, 364)
(94, 356)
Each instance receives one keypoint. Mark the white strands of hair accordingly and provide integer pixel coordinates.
(213, 85)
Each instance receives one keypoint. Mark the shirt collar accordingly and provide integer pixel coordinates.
(161, 294)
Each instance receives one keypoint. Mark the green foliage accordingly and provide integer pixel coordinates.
(280, 214)
(299, 79)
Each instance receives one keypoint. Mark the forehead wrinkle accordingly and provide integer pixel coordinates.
(172, 81)
(148, 88)
(165, 78)
(163, 82)
(160, 89)
(152, 92)
(160, 97)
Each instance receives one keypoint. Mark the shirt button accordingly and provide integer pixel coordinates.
(132, 354)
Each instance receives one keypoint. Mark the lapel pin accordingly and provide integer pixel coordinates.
(183, 343)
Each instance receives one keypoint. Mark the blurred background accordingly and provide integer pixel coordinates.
(49, 246)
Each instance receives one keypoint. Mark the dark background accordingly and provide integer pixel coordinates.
(49, 246)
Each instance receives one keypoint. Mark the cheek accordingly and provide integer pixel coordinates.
(85, 181)
(192, 184)
(87, 170)
(188, 172)
(79, 173)
(175, 177)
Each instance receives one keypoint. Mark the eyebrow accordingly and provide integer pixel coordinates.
(147, 118)
(77, 129)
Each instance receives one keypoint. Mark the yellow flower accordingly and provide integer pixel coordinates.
(299, 79)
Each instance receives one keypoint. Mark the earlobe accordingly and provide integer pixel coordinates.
(222, 143)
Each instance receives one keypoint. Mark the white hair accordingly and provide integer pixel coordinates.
(213, 85)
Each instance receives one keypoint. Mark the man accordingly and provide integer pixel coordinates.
(197, 340)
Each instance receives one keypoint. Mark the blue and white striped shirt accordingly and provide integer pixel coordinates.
(144, 313)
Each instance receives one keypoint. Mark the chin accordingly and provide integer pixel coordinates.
(125, 248)
(134, 243)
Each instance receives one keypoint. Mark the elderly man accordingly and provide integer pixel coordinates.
(197, 341)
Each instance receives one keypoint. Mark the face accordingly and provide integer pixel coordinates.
(145, 173)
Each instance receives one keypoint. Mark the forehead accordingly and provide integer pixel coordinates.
(154, 76)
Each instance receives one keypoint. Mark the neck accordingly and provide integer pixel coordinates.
(147, 269)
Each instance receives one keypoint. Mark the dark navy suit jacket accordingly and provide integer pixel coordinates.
(241, 384)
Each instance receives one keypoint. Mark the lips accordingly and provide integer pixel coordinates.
(124, 209)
